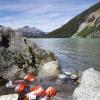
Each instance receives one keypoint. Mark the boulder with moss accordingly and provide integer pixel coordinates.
(18, 55)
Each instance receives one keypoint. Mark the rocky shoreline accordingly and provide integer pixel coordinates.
(88, 89)
(18, 56)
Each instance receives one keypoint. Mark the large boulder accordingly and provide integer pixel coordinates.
(50, 69)
(89, 88)
(14, 53)
(18, 55)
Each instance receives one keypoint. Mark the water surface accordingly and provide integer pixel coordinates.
(77, 54)
(73, 54)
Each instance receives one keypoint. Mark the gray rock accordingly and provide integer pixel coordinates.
(89, 88)
(49, 69)
(18, 55)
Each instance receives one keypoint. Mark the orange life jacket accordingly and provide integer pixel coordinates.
(29, 77)
(20, 87)
(37, 90)
(50, 91)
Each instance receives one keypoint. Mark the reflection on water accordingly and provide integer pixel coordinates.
(73, 53)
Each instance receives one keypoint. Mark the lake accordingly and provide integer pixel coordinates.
(78, 54)
(73, 54)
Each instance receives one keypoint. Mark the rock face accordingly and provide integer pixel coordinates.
(89, 88)
(90, 27)
(9, 97)
(18, 55)
(49, 69)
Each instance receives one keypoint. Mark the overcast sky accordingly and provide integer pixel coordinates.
(46, 15)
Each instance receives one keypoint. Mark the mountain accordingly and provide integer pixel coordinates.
(30, 31)
(89, 16)
(90, 27)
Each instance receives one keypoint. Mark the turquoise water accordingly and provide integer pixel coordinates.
(77, 54)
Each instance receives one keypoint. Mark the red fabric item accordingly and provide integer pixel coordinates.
(20, 87)
(29, 77)
(50, 91)
(37, 90)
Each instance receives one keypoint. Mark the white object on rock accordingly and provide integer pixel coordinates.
(9, 97)
(61, 76)
(10, 84)
(89, 88)
(67, 73)
(73, 76)
(50, 69)
(31, 96)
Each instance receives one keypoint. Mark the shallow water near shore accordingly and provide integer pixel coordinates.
(73, 55)
(78, 54)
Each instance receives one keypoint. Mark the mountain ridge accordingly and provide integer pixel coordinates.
(70, 28)
(30, 31)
